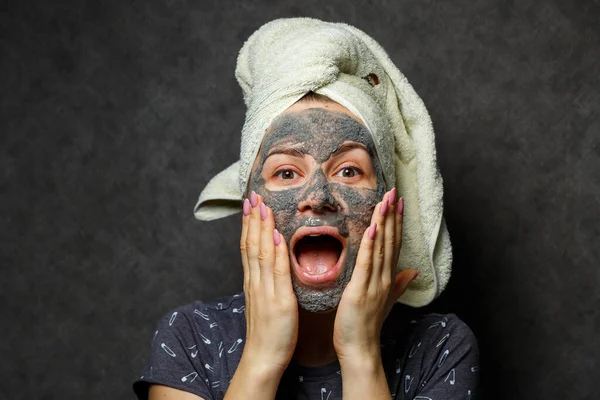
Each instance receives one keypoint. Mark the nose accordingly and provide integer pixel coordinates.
(318, 199)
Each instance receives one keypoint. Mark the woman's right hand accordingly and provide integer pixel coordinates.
(271, 305)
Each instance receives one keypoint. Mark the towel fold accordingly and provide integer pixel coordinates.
(285, 59)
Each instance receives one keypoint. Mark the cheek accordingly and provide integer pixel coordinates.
(284, 204)
(359, 205)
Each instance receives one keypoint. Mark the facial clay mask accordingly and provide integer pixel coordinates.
(319, 172)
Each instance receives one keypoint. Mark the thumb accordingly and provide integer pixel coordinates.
(402, 280)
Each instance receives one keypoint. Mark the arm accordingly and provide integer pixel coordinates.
(364, 378)
(253, 380)
(271, 306)
(160, 392)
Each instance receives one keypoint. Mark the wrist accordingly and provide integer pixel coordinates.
(260, 367)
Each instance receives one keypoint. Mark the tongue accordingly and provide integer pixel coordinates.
(318, 254)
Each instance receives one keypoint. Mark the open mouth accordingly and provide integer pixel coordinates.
(318, 254)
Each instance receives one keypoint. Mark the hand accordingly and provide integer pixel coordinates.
(271, 305)
(374, 288)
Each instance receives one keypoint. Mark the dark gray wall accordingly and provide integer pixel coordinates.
(116, 114)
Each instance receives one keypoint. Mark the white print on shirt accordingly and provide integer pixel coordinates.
(234, 346)
(208, 367)
(397, 366)
(193, 353)
(200, 313)
(205, 339)
(443, 357)
(239, 310)
(190, 377)
(438, 323)
(167, 350)
(475, 368)
(410, 380)
(219, 306)
(411, 353)
(300, 379)
(443, 340)
(215, 384)
(173, 318)
(453, 380)
(213, 325)
(323, 391)
(423, 397)
(220, 349)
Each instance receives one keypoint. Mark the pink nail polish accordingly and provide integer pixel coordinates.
(401, 205)
(246, 207)
(263, 211)
(392, 197)
(372, 230)
(253, 199)
(276, 237)
(384, 207)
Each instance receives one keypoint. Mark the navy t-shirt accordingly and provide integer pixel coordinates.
(197, 348)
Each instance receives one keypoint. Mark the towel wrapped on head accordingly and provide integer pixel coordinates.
(287, 58)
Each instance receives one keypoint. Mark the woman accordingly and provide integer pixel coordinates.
(341, 211)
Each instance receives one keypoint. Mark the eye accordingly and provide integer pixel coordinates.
(349, 172)
(286, 174)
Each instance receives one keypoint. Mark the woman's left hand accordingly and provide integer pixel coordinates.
(374, 288)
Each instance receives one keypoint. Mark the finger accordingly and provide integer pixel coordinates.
(379, 244)
(282, 278)
(266, 254)
(364, 259)
(243, 250)
(401, 282)
(389, 242)
(399, 215)
(253, 241)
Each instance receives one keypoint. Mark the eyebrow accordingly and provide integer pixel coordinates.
(283, 150)
(343, 148)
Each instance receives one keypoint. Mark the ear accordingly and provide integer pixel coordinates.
(402, 280)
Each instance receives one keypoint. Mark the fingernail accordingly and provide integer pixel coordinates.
(253, 199)
(417, 274)
(392, 197)
(246, 207)
(401, 205)
(276, 237)
(263, 211)
(384, 207)
(372, 230)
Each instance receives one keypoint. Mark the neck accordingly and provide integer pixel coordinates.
(315, 338)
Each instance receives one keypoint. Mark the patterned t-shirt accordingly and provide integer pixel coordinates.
(197, 348)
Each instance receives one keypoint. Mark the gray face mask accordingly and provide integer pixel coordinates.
(319, 132)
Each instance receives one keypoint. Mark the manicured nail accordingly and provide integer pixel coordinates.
(392, 197)
(263, 211)
(253, 199)
(276, 237)
(246, 207)
(384, 207)
(417, 274)
(401, 205)
(372, 230)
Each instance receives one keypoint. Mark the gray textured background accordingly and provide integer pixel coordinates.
(116, 114)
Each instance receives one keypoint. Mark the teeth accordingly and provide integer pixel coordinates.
(314, 235)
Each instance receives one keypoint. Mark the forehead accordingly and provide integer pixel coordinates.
(317, 131)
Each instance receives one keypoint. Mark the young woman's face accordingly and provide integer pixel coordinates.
(318, 171)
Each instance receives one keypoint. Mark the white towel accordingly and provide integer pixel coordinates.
(285, 59)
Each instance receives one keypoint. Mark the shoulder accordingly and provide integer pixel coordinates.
(203, 316)
(445, 343)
